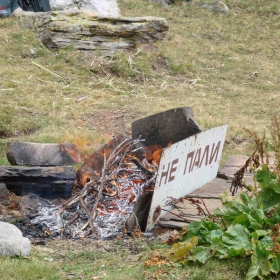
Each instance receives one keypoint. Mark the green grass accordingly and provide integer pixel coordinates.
(110, 260)
(23, 268)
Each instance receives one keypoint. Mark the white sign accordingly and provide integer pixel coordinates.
(186, 166)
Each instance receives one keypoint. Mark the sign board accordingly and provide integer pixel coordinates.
(184, 167)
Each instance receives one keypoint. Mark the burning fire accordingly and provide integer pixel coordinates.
(110, 182)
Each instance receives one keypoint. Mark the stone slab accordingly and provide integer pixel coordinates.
(42, 154)
(167, 127)
(47, 182)
(4, 195)
(235, 163)
(185, 212)
(212, 189)
(89, 31)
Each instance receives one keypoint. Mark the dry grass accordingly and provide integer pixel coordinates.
(226, 67)
(223, 66)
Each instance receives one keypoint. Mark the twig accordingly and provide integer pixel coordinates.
(85, 207)
(100, 188)
(192, 201)
(205, 207)
(141, 166)
(185, 220)
(40, 66)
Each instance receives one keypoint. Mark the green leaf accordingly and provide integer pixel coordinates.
(247, 221)
(267, 242)
(201, 254)
(201, 230)
(275, 264)
(231, 211)
(258, 215)
(193, 228)
(260, 266)
(237, 240)
(180, 250)
(215, 236)
(268, 199)
(264, 176)
(228, 212)
(244, 197)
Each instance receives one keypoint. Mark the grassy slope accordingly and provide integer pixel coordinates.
(223, 66)
(226, 67)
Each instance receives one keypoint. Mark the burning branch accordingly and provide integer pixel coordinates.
(105, 203)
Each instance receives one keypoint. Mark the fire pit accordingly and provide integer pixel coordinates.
(117, 190)
(105, 206)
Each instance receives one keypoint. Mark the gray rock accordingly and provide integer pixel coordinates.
(63, 5)
(216, 6)
(4, 195)
(166, 127)
(84, 30)
(104, 7)
(165, 3)
(42, 154)
(48, 182)
(12, 243)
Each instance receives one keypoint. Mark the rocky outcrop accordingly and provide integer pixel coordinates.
(84, 30)
(12, 243)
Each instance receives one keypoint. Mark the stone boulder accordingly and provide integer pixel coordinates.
(216, 6)
(12, 243)
(104, 7)
(42, 154)
(84, 30)
(166, 127)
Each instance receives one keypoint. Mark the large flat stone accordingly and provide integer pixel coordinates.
(166, 127)
(89, 31)
(212, 189)
(48, 182)
(41, 154)
(186, 212)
